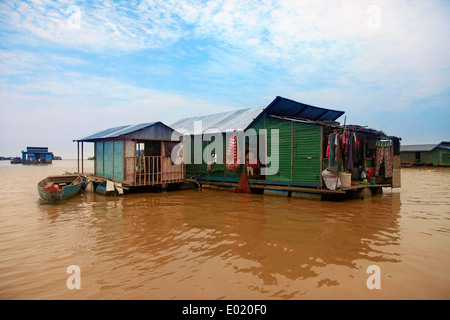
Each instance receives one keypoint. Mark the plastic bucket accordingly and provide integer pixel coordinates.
(346, 179)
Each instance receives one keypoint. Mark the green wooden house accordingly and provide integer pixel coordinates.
(302, 131)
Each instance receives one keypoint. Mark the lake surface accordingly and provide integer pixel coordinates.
(211, 244)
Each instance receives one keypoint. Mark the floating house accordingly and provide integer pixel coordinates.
(287, 148)
(134, 155)
(303, 133)
(426, 154)
(37, 155)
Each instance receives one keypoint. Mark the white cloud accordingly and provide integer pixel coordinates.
(319, 52)
(57, 109)
(282, 30)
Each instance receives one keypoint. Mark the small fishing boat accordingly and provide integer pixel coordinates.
(61, 187)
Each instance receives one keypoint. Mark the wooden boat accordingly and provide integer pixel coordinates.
(16, 160)
(61, 187)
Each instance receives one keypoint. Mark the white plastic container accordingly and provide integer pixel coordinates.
(346, 179)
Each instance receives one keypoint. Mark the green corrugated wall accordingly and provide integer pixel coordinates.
(307, 152)
(305, 148)
(217, 170)
(440, 157)
(194, 169)
(435, 156)
(426, 157)
(284, 158)
(445, 158)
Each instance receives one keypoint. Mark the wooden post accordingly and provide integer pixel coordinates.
(134, 161)
(124, 159)
(82, 156)
(292, 150)
(321, 158)
(78, 155)
(162, 152)
(157, 171)
(266, 143)
(365, 153)
(193, 156)
(209, 157)
(224, 158)
(103, 159)
(145, 169)
(95, 158)
(113, 155)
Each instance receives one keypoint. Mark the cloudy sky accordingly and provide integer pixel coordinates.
(71, 68)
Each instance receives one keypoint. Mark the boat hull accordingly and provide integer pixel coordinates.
(64, 193)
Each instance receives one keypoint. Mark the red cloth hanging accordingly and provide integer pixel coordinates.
(328, 148)
(232, 156)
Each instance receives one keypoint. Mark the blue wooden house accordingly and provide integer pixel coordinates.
(134, 155)
(37, 155)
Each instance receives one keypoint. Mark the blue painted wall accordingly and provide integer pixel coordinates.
(99, 158)
(118, 160)
(109, 159)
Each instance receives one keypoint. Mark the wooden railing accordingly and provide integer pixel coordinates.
(149, 171)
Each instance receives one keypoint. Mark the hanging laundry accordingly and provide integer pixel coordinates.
(350, 153)
(384, 154)
(339, 152)
(344, 142)
(332, 150)
(232, 164)
(356, 151)
(327, 154)
(370, 173)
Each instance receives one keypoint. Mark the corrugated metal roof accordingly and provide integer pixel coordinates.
(220, 122)
(417, 147)
(37, 149)
(424, 147)
(242, 118)
(286, 107)
(116, 131)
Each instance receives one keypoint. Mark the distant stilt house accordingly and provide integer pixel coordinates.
(37, 155)
(135, 155)
(304, 133)
(426, 154)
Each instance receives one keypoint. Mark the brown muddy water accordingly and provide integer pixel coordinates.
(212, 244)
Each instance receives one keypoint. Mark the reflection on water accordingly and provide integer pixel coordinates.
(212, 244)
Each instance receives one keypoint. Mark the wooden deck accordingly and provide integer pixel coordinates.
(363, 186)
(293, 188)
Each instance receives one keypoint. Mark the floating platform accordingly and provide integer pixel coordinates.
(363, 191)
